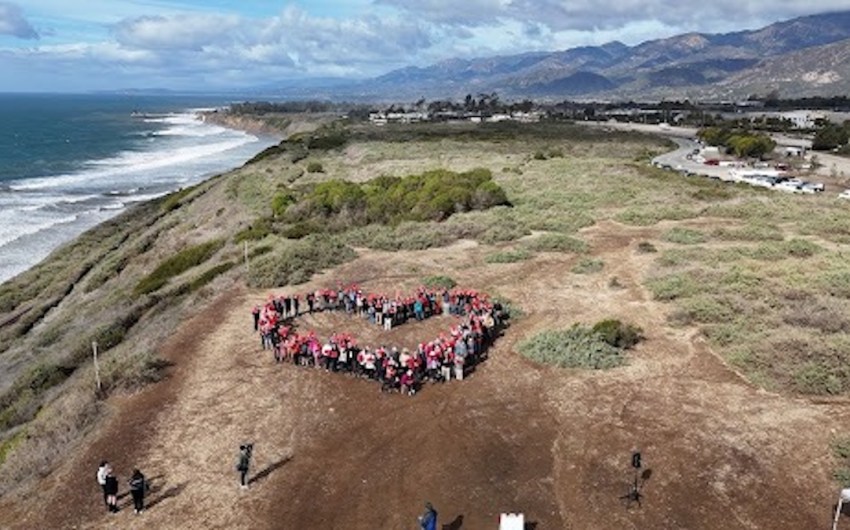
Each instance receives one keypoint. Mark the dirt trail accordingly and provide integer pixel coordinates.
(333, 452)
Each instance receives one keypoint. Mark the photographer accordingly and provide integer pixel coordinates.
(243, 463)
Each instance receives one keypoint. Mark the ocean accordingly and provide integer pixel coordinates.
(69, 162)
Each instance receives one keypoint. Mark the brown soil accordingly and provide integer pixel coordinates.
(334, 452)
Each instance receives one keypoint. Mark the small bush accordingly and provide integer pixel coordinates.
(814, 378)
(684, 236)
(672, 287)
(172, 201)
(588, 266)
(618, 334)
(577, 347)
(177, 264)
(556, 243)
(315, 167)
(258, 230)
(645, 247)
(508, 256)
(439, 282)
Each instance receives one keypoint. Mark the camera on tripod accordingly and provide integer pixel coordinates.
(634, 494)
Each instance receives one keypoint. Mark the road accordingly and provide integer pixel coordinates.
(833, 170)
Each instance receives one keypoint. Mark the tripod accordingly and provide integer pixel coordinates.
(634, 494)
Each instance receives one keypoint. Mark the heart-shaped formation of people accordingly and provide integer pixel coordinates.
(450, 355)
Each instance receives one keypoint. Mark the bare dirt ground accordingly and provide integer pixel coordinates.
(334, 452)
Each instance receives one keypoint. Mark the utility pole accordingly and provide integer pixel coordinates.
(96, 367)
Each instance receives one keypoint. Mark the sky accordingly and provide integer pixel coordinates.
(86, 45)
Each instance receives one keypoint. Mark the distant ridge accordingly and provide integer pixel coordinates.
(805, 56)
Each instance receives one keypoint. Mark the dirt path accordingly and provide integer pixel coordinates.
(333, 452)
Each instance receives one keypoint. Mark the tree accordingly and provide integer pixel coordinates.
(829, 137)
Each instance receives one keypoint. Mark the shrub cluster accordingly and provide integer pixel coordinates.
(596, 348)
(508, 256)
(431, 196)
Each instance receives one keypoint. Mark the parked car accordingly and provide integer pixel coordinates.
(844, 194)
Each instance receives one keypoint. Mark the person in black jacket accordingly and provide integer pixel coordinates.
(243, 463)
(138, 486)
(111, 488)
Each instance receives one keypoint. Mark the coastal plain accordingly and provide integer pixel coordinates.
(736, 397)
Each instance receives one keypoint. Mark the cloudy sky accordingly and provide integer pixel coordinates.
(62, 45)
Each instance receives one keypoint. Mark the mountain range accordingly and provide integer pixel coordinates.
(805, 56)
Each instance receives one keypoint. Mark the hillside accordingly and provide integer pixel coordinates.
(742, 294)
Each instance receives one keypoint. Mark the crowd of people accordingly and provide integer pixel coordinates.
(451, 355)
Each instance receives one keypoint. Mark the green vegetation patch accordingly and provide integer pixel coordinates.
(556, 243)
(600, 347)
(841, 453)
(432, 196)
(508, 256)
(684, 236)
(588, 266)
(298, 260)
(176, 265)
(439, 282)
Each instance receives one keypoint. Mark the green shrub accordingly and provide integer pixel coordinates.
(672, 287)
(588, 266)
(815, 378)
(618, 334)
(684, 236)
(280, 202)
(439, 282)
(315, 167)
(258, 230)
(508, 256)
(645, 247)
(556, 243)
(176, 265)
(577, 347)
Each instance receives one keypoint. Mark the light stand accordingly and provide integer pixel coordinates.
(634, 494)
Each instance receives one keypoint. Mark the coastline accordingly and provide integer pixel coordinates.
(27, 249)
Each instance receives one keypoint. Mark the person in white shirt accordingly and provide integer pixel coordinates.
(102, 472)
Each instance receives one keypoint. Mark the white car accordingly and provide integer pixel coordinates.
(844, 194)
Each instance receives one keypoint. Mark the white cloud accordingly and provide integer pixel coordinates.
(178, 32)
(593, 15)
(12, 22)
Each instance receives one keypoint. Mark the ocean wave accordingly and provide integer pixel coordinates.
(12, 231)
(132, 162)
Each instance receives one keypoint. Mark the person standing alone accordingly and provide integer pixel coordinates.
(428, 520)
(243, 463)
(137, 490)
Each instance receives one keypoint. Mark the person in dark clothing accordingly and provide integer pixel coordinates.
(256, 314)
(243, 463)
(111, 488)
(138, 486)
(428, 520)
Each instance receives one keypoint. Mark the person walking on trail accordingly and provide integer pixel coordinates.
(111, 488)
(138, 486)
(243, 463)
(102, 471)
(428, 520)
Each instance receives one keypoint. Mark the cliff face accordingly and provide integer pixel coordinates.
(275, 125)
